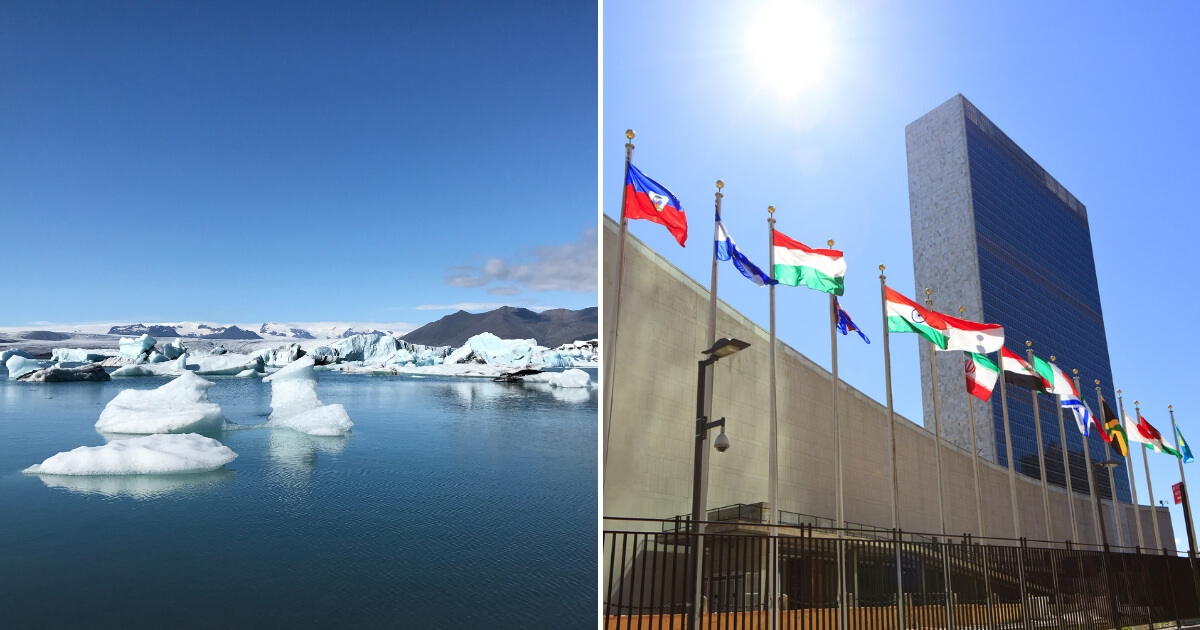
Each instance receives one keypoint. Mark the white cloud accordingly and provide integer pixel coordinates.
(568, 267)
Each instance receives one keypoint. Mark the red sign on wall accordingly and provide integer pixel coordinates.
(1178, 490)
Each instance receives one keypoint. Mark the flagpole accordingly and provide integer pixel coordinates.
(773, 457)
(1037, 425)
(1012, 466)
(1149, 486)
(614, 305)
(1137, 514)
(1062, 438)
(1187, 515)
(974, 448)
(837, 453)
(887, 370)
(937, 425)
(1087, 457)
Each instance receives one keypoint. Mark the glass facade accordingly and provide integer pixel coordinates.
(1038, 279)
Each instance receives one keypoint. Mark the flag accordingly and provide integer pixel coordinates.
(1068, 397)
(1145, 433)
(1184, 451)
(943, 331)
(647, 199)
(981, 375)
(726, 249)
(798, 264)
(845, 324)
(1017, 371)
(1043, 369)
(1113, 432)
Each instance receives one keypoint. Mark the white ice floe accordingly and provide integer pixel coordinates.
(76, 355)
(568, 378)
(490, 349)
(174, 349)
(172, 368)
(281, 356)
(181, 405)
(18, 366)
(147, 455)
(227, 364)
(135, 348)
(13, 352)
(294, 402)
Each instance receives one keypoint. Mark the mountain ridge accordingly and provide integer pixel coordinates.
(551, 328)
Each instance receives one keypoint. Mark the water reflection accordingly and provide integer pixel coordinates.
(296, 452)
(138, 486)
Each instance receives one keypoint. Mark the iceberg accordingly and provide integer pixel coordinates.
(135, 348)
(18, 366)
(14, 352)
(281, 356)
(226, 364)
(179, 406)
(490, 349)
(76, 355)
(57, 374)
(147, 455)
(173, 368)
(374, 349)
(568, 378)
(174, 349)
(294, 402)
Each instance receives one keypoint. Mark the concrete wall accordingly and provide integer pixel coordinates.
(648, 472)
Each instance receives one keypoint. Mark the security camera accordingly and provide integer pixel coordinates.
(721, 443)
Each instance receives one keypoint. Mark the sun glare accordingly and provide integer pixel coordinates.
(791, 46)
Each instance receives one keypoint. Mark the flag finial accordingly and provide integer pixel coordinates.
(1097, 380)
(1118, 392)
(1053, 358)
(1135, 403)
(720, 184)
(927, 291)
(770, 209)
(960, 310)
(881, 267)
(1028, 344)
(1168, 407)
(830, 242)
(629, 134)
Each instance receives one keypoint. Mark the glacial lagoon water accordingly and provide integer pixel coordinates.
(455, 503)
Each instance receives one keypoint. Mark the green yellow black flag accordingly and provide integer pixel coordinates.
(1113, 432)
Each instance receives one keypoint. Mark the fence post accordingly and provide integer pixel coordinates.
(896, 544)
(1171, 589)
(987, 588)
(946, 579)
(1024, 594)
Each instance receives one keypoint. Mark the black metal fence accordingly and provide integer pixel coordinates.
(822, 578)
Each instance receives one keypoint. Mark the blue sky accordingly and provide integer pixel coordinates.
(295, 161)
(1101, 95)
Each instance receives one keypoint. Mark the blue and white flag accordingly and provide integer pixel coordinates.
(727, 250)
(845, 324)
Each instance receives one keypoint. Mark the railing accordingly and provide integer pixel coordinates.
(813, 578)
(737, 513)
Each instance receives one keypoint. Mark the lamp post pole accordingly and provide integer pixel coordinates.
(722, 348)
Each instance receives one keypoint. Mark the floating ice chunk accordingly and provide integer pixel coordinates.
(174, 349)
(226, 364)
(247, 374)
(173, 368)
(134, 348)
(181, 405)
(569, 378)
(294, 402)
(281, 356)
(13, 352)
(18, 366)
(148, 455)
(373, 349)
(156, 357)
(488, 348)
(76, 355)
(57, 374)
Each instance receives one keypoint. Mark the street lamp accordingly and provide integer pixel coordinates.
(721, 349)
(1112, 463)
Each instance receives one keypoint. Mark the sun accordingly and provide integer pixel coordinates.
(791, 46)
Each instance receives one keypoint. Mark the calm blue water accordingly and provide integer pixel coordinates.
(454, 504)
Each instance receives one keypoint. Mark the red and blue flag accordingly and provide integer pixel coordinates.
(647, 199)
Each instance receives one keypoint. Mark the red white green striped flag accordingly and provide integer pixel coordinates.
(982, 375)
(798, 264)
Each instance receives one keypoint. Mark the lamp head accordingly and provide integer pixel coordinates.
(725, 347)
